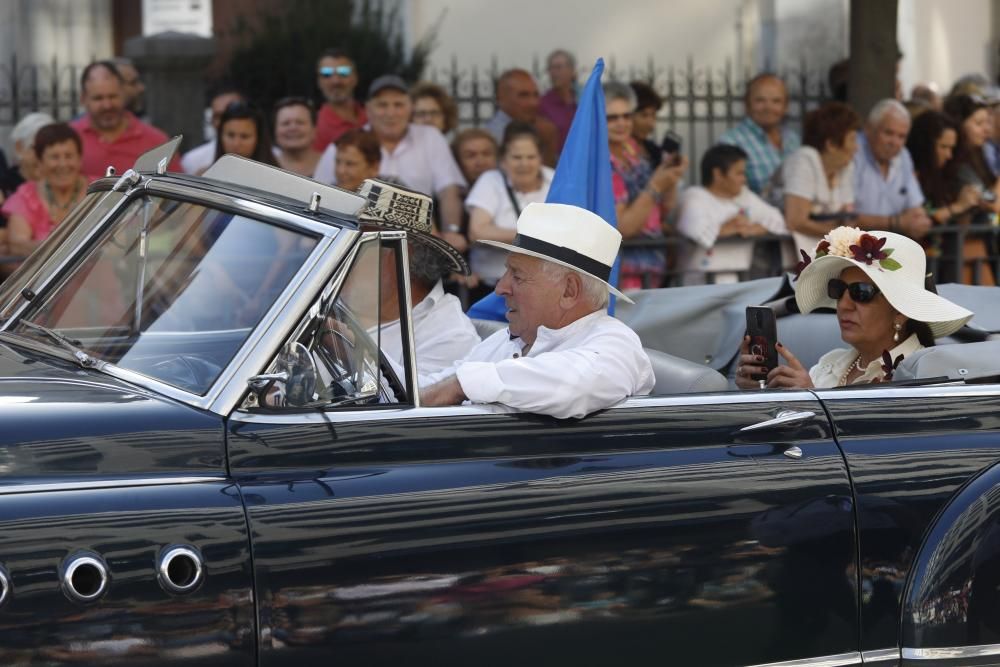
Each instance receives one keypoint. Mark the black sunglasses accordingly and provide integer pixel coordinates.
(860, 292)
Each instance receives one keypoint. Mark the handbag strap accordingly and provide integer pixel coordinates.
(513, 199)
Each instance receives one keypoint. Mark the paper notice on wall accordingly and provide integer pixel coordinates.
(193, 17)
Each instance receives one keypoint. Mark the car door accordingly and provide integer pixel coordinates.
(652, 530)
(710, 529)
(910, 449)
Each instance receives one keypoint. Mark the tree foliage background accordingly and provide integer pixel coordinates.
(277, 51)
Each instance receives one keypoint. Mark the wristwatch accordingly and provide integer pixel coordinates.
(452, 228)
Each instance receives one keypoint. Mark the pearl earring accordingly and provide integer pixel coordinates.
(897, 327)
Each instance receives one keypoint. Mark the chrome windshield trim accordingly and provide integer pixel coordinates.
(275, 328)
(254, 209)
(951, 652)
(8, 489)
(839, 660)
(880, 655)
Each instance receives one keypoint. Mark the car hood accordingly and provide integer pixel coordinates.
(61, 421)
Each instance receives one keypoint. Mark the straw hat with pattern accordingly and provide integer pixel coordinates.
(393, 206)
(896, 264)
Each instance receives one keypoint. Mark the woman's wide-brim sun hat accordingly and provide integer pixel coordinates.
(395, 207)
(896, 264)
(569, 236)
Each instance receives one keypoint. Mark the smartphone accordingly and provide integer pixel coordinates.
(671, 145)
(763, 331)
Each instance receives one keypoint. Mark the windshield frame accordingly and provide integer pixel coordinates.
(333, 242)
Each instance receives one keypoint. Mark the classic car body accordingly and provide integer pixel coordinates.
(159, 504)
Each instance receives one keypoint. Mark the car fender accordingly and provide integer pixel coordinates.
(951, 604)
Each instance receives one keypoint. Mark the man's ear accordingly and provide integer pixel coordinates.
(572, 291)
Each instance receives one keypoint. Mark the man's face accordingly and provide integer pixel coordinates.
(731, 182)
(477, 156)
(389, 114)
(561, 72)
(532, 297)
(104, 100)
(888, 137)
(643, 122)
(336, 78)
(767, 102)
(219, 104)
(518, 98)
(133, 88)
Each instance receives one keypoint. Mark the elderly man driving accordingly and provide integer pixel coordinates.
(562, 354)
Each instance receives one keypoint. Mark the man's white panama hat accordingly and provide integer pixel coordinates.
(569, 236)
(895, 263)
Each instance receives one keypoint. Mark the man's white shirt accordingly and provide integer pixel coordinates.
(442, 334)
(588, 365)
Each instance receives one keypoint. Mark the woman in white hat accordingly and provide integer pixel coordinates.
(876, 281)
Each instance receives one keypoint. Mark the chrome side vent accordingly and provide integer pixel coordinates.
(180, 569)
(85, 577)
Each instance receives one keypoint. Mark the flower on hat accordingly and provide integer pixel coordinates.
(806, 261)
(852, 243)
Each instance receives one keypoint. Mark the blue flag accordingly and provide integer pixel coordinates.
(582, 178)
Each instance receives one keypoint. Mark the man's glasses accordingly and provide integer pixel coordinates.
(859, 292)
(342, 71)
(612, 117)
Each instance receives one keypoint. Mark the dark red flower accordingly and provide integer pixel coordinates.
(806, 261)
(869, 249)
(888, 365)
(823, 249)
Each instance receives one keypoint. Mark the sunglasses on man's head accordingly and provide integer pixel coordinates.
(859, 292)
(343, 71)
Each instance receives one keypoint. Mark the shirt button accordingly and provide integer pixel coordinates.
(516, 355)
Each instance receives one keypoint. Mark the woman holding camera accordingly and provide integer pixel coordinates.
(876, 282)
(643, 195)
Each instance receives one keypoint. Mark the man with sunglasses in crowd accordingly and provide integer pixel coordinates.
(337, 77)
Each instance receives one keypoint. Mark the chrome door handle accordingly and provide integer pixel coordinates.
(781, 419)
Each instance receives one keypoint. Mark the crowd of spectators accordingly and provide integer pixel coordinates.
(906, 167)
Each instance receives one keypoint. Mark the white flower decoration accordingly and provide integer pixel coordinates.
(841, 239)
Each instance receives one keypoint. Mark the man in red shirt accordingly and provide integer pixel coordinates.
(111, 135)
(337, 77)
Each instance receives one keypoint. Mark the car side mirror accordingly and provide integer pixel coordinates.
(292, 382)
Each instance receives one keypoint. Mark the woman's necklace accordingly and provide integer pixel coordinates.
(57, 210)
(856, 365)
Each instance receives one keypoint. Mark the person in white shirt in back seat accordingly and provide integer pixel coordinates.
(562, 354)
(442, 333)
(723, 207)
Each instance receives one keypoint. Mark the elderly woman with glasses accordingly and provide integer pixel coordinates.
(876, 281)
(643, 195)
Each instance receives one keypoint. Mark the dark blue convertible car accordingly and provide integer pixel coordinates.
(188, 478)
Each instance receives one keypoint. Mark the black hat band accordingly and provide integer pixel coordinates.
(565, 255)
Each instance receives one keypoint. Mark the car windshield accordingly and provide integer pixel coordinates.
(171, 290)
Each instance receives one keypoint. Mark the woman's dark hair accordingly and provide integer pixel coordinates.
(441, 97)
(721, 157)
(645, 96)
(925, 132)
(295, 102)
(56, 133)
(518, 130)
(830, 122)
(365, 142)
(263, 151)
(961, 107)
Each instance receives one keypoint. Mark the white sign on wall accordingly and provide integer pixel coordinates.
(188, 16)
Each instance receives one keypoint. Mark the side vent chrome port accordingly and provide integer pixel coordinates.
(180, 569)
(5, 586)
(84, 578)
